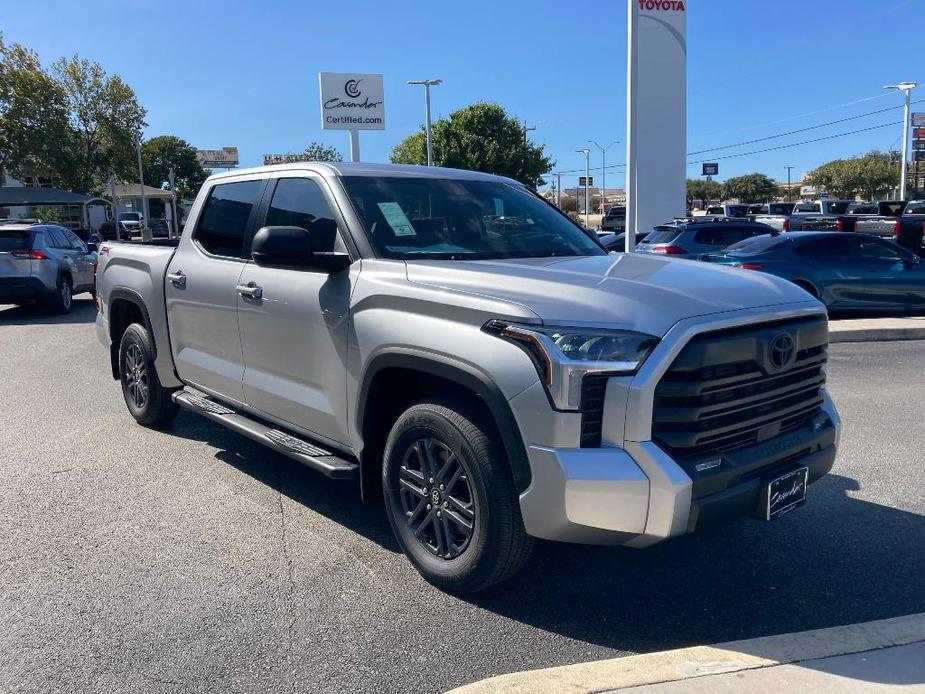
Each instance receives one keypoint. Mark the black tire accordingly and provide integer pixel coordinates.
(808, 288)
(63, 299)
(147, 401)
(465, 446)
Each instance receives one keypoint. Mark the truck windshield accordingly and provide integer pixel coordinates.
(442, 218)
(129, 216)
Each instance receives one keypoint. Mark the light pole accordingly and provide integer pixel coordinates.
(558, 190)
(430, 141)
(906, 88)
(526, 130)
(587, 153)
(789, 169)
(141, 190)
(603, 168)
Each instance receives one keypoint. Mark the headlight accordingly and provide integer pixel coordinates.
(563, 355)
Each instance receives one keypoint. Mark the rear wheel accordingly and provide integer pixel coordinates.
(450, 498)
(147, 401)
(63, 298)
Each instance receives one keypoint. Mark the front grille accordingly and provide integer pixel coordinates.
(722, 393)
(593, 389)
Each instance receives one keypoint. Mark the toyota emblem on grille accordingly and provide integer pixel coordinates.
(781, 351)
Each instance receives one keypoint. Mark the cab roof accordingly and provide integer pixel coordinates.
(338, 169)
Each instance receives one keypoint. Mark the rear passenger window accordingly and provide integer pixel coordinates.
(827, 249)
(299, 202)
(56, 238)
(224, 219)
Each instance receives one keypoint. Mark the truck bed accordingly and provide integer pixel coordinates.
(129, 270)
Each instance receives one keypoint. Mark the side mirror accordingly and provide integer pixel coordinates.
(92, 247)
(292, 248)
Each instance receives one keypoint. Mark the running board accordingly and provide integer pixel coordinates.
(309, 454)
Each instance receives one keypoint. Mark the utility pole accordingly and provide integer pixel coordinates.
(526, 130)
(427, 84)
(558, 190)
(587, 153)
(604, 168)
(789, 169)
(906, 88)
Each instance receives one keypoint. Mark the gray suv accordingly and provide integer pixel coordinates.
(462, 351)
(696, 237)
(44, 262)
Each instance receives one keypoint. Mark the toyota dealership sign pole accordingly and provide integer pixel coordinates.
(352, 102)
(656, 113)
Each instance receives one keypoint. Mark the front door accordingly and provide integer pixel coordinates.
(294, 335)
(200, 289)
(890, 275)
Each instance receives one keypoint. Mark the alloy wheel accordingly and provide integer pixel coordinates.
(136, 376)
(436, 498)
(66, 295)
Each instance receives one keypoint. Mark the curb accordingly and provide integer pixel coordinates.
(875, 334)
(697, 661)
(877, 329)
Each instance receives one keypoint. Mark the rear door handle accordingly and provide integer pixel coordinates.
(177, 279)
(250, 290)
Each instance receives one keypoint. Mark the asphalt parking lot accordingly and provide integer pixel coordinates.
(195, 560)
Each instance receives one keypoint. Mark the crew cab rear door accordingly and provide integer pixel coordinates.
(294, 322)
(201, 289)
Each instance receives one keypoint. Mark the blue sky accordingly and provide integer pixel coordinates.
(246, 73)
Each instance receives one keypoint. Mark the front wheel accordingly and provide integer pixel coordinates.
(148, 402)
(450, 498)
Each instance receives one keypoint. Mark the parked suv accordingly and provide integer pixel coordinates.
(696, 237)
(44, 262)
(465, 352)
(614, 222)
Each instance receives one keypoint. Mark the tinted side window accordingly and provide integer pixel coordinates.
(74, 241)
(224, 219)
(299, 202)
(829, 249)
(55, 238)
(872, 251)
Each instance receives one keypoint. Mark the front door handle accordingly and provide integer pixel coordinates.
(250, 290)
(177, 279)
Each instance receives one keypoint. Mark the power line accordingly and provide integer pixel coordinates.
(805, 142)
(801, 130)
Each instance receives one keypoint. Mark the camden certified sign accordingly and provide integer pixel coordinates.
(351, 101)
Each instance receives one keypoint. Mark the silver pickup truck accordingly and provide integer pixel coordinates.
(815, 215)
(470, 356)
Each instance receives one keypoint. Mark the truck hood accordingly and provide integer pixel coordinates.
(638, 292)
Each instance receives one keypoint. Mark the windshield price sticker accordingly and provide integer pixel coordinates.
(397, 219)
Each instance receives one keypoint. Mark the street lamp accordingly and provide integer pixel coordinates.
(603, 168)
(789, 169)
(906, 88)
(430, 141)
(587, 153)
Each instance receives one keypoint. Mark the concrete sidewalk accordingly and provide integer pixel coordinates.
(899, 668)
(884, 655)
(877, 329)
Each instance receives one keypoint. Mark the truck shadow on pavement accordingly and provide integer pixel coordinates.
(838, 560)
(82, 311)
(335, 499)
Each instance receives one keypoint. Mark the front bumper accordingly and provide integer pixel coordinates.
(639, 495)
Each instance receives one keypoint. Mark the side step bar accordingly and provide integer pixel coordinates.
(309, 454)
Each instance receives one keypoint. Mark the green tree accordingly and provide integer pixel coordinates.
(479, 137)
(317, 151)
(165, 152)
(33, 112)
(568, 204)
(703, 191)
(755, 187)
(105, 118)
(871, 175)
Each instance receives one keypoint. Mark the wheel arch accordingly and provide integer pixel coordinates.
(125, 307)
(419, 375)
